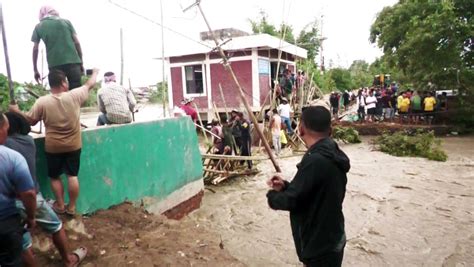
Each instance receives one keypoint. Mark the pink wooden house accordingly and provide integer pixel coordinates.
(198, 73)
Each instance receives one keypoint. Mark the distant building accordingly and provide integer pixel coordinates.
(198, 72)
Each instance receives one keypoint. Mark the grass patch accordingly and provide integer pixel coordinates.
(419, 144)
(346, 135)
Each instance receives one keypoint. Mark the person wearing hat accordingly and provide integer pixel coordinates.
(190, 111)
(284, 110)
(115, 102)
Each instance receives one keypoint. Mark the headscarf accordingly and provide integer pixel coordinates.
(109, 77)
(47, 11)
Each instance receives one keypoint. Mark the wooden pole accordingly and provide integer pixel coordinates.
(241, 93)
(163, 88)
(207, 131)
(121, 57)
(202, 125)
(223, 100)
(7, 59)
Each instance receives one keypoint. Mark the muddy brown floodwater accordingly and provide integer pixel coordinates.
(398, 211)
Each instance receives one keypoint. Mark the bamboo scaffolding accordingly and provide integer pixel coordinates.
(241, 92)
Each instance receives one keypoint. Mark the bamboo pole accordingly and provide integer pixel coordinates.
(200, 121)
(223, 100)
(121, 57)
(241, 93)
(204, 130)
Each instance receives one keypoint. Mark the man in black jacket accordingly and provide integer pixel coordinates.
(314, 197)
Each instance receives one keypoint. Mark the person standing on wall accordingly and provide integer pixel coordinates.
(315, 195)
(60, 112)
(63, 50)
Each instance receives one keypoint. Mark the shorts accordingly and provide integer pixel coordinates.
(371, 111)
(416, 111)
(59, 163)
(73, 73)
(46, 219)
(11, 232)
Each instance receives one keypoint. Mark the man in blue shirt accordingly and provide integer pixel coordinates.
(15, 181)
(19, 140)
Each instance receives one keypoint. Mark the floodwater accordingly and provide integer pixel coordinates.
(398, 211)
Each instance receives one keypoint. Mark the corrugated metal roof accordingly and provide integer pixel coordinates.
(246, 42)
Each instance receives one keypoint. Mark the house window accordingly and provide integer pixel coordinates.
(194, 79)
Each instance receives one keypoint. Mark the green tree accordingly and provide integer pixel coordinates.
(341, 78)
(431, 42)
(309, 40)
(261, 25)
(360, 75)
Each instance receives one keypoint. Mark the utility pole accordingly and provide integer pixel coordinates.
(228, 67)
(121, 56)
(321, 40)
(7, 59)
(163, 87)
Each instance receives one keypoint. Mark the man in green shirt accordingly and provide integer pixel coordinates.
(63, 49)
(416, 109)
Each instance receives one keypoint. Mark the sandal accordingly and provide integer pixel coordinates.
(52, 204)
(69, 212)
(81, 254)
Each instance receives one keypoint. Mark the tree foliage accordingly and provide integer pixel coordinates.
(431, 42)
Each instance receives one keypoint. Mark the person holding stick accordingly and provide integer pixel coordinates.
(60, 112)
(315, 195)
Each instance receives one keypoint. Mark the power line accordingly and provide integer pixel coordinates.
(159, 24)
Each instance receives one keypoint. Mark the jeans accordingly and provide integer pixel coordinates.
(361, 113)
(245, 149)
(102, 120)
(287, 122)
(276, 143)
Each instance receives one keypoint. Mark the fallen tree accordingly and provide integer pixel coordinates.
(418, 144)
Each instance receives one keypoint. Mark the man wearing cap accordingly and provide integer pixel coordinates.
(115, 102)
(63, 50)
(190, 111)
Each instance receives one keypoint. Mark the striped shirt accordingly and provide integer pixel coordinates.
(116, 102)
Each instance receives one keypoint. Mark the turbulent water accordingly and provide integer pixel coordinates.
(399, 211)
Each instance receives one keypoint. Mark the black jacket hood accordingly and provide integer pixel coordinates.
(330, 150)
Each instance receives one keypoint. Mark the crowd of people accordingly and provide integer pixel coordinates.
(22, 206)
(376, 104)
(388, 103)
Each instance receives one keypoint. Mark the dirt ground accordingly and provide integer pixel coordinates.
(128, 236)
(399, 211)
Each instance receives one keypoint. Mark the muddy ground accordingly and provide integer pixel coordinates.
(399, 211)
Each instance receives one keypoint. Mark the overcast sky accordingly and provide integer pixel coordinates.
(346, 25)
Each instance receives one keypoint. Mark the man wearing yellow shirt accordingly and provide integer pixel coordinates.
(404, 106)
(429, 104)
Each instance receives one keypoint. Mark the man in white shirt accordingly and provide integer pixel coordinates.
(371, 103)
(284, 110)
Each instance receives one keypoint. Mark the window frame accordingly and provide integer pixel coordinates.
(204, 84)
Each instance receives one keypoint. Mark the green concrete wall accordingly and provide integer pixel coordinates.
(129, 162)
